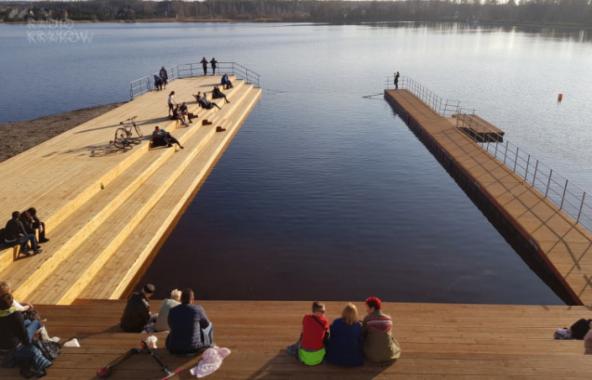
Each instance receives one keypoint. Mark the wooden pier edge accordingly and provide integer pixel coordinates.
(512, 232)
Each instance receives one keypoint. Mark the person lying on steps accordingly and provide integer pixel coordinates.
(204, 103)
(217, 94)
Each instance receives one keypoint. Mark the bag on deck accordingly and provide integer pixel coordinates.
(580, 328)
(49, 349)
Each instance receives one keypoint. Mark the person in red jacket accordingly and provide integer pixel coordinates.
(310, 348)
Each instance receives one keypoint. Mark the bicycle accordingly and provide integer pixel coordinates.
(124, 135)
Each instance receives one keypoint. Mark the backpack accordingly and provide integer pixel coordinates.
(580, 328)
(49, 349)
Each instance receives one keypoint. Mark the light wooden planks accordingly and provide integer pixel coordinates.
(437, 340)
(567, 245)
(96, 223)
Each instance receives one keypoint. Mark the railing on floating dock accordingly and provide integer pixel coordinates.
(546, 218)
(565, 194)
(187, 70)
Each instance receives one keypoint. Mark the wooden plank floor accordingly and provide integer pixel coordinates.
(94, 225)
(566, 245)
(437, 340)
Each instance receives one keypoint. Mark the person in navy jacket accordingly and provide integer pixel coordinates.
(345, 347)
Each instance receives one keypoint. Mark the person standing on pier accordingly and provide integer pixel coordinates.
(397, 80)
(213, 62)
(164, 77)
(171, 102)
(204, 65)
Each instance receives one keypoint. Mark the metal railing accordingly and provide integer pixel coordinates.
(186, 70)
(567, 196)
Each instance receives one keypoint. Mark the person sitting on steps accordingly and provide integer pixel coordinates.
(225, 82)
(163, 138)
(204, 102)
(174, 300)
(136, 315)
(379, 344)
(310, 348)
(185, 112)
(33, 224)
(177, 115)
(16, 233)
(17, 336)
(190, 329)
(217, 94)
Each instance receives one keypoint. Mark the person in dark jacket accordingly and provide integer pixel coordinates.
(16, 233)
(190, 329)
(214, 63)
(38, 225)
(163, 138)
(17, 338)
(157, 83)
(136, 316)
(345, 346)
(204, 65)
(164, 76)
(225, 82)
(217, 94)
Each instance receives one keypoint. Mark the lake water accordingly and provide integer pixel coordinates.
(326, 194)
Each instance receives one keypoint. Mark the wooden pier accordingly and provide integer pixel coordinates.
(437, 340)
(107, 211)
(549, 239)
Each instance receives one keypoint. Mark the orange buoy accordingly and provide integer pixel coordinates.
(559, 97)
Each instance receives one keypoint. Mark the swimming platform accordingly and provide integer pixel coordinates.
(543, 216)
(107, 211)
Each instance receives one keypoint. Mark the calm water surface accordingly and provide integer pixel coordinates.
(324, 193)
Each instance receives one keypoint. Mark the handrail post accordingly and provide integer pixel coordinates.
(548, 182)
(526, 172)
(516, 159)
(495, 154)
(563, 196)
(536, 167)
(581, 207)
(506, 152)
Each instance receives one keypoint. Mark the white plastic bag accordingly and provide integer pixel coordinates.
(210, 361)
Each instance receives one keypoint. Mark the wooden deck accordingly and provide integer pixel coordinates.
(106, 211)
(480, 129)
(437, 340)
(562, 245)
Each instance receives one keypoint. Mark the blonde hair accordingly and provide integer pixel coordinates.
(176, 295)
(350, 314)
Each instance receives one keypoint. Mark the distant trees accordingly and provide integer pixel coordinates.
(574, 12)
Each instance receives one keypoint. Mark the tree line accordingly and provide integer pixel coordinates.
(557, 12)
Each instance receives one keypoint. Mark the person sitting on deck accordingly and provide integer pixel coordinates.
(310, 348)
(217, 94)
(185, 112)
(190, 329)
(33, 224)
(16, 339)
(204, 102)
(137, 316)
(18, 306)
(177, 115)
(379, 344)
(225, 82)
(158, 83)
(345, 345)
(16, 233)
(163, 138)
(162, 323)
(164, 76)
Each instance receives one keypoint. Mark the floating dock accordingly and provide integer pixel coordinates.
(106, 210)
(551, 240)
(437, 341)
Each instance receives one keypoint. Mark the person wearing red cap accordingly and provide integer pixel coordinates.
(379, 344)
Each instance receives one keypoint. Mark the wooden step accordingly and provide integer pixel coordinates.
(90, 216)
(117, 274)
(70, 277)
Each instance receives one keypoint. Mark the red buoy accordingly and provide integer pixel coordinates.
(559, 97)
